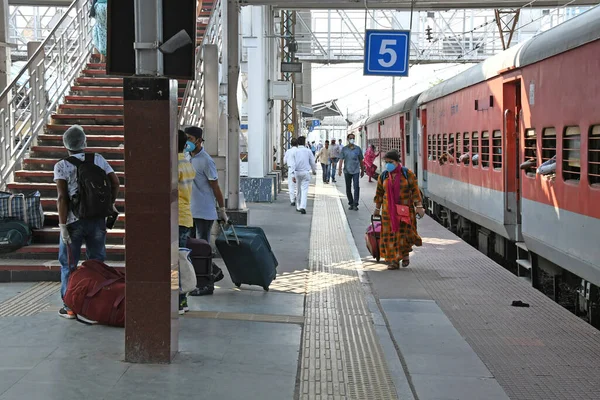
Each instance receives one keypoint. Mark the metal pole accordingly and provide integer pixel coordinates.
(393, 90)
(233, 120)
(148, 34)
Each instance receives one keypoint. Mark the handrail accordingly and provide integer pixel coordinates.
(37, 90)
(192, 106)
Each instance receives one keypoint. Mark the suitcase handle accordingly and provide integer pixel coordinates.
(375, 218)
(222, 225)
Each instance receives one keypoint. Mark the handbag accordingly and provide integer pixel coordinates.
(24, 207)
(403, 213)
(187, 274)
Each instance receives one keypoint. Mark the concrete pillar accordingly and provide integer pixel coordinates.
(257, 94)
(211, 98)
(152, 235)
(233, 123)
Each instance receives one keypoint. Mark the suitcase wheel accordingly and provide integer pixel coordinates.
(377, 258)
(266, 288)
(237, 284)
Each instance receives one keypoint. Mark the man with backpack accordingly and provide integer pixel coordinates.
(87, 188)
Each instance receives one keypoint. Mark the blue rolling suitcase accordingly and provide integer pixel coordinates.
(247, 255)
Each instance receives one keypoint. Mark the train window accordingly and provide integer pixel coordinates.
(458, 147)
(485, 149)
(571, 154)
(548, 144)
(407, 138)
(530, 151)
(450, 149)
(466, 148)
(475, 149)
(439, 147)
(497, 149)
(594, 156)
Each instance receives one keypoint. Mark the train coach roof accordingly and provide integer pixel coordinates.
(573, 33)
(402, 106)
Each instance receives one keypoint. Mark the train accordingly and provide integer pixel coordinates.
(507, 154)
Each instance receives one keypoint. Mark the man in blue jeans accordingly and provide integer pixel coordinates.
(351, 159)
(73, 231)
(206, 193)
(334, 156)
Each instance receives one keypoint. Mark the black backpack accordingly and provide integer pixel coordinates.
(14, 234)
(94, 193)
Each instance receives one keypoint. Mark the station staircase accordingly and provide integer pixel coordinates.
(94, 101)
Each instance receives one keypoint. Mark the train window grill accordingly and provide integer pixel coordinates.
(450, 149)
(458, 152)
(429, 147)
(466, 147)
(530, 148)
(497, 149)
(475, 149)
(594, 156)
(485, 149)
(548, 144)
(439, 146)
(572, 154)
(407, 141)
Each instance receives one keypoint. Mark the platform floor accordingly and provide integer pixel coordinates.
(335, 325)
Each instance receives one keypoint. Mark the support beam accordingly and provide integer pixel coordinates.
(507, 21)
(233, 123)
(288, 107)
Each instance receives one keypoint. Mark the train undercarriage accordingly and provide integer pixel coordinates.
(567, 289)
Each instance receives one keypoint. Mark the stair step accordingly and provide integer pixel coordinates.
(97, 89)
(60, 152)
(87, 128)
(94, 72)
(50, 251)
(92, 140)
(45, 189)
(99, 81)
(47, 164)
(41, 176)
(108, 109)
(52, 236)
(29, 270)
(49, 204)
(79, 99)
(51, 220)
(93, 65)
(88, 118)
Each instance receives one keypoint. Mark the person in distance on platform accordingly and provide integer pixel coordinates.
(99, 13)
(303, 162)
(76, 230)
(206, 193)
(370, 156)
(323, 158)
(287, 157)
(351, 161)
(186, 175)
(334, 156)
(398, 201)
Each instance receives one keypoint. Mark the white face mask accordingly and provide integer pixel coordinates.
(351, 141)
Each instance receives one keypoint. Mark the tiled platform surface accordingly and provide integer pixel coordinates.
(542, 352)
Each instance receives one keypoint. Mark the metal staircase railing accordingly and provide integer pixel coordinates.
(28, 101)
(192, 106)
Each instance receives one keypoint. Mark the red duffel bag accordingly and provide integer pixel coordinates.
(97, 292)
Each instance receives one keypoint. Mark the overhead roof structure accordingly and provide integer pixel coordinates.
(326, 109)
(425, 5)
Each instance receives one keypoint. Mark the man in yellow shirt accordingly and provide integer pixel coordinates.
(186, 222)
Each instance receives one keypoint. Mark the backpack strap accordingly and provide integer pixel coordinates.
(405, 172)
(90, 157)
(73, 160)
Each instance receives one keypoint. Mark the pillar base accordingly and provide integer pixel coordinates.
(259, 190)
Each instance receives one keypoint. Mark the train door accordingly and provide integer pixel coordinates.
(512, 158)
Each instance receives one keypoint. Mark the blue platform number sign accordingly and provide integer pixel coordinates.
(386, 52)
(316, 122)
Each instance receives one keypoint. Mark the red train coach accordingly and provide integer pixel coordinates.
(484, 134)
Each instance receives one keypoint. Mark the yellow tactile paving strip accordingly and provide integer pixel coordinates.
(30, 301)
(341, 355)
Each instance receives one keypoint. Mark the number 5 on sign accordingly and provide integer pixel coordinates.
(387, 52)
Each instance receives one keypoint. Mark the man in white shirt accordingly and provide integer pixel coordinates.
(287, 157)
(335, 150)
(303, 162)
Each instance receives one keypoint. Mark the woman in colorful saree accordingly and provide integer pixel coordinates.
(398, 201)
(370, 156)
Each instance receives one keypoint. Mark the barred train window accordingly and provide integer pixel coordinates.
(475, 148)
(485, 149)
(594, 156)
(548, 144)
(497, 149)
(429, 149)
(530, 150)
(445, 143)
(439, 146)
(458, 150)
(572, 154)
(450, 149)
(466, 146)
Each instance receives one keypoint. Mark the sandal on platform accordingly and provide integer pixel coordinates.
(405, 262)
(393, 266)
